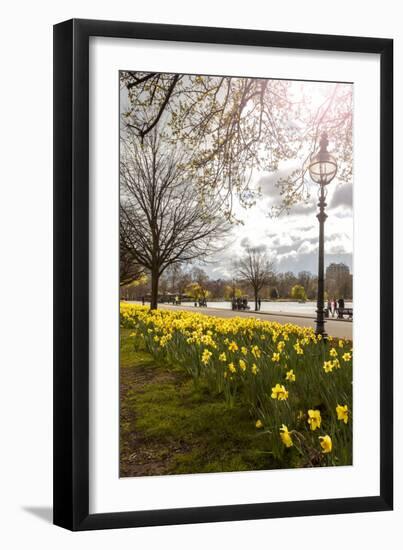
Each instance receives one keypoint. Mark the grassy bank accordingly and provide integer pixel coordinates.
(295, 386)
(170, 427)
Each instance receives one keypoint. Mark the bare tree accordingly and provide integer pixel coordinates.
(164, 218)
(256, 269)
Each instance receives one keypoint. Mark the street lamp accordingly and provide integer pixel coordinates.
(322, 169)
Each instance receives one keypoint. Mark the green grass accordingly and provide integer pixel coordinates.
(170, 427)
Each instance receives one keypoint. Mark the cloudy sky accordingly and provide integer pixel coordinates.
(291, 239)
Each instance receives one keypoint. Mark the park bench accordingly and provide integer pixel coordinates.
(341, 312)
(241, 307)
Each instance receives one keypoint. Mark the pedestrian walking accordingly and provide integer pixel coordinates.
(340, 309)
(334, 306)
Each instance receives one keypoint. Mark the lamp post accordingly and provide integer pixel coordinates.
(322, 169)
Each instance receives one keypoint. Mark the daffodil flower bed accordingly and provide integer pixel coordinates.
(297, 387)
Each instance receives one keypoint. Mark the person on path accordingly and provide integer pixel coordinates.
(334, 306)
(340, 303)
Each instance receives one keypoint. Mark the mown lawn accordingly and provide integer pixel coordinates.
(167, 426)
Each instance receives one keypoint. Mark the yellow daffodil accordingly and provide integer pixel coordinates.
(222, 357)
(328, 366)
(259, 424)
(279, 392)
(242, 365)
(206, 356)
(290, 376)
(342, 413)
(233, 346)
(256, 352)
(298, 349)
(254, 369)
(325, 443)
(346, 356)
(231, 367)
(275, 357)
(333, 352)
(244, 350)
(314, 419)
(280, 346)
(285, 436)
(341, 343)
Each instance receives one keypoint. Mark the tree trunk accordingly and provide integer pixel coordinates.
(256, 298)
(154, 289)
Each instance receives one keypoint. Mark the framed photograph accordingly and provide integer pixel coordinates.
(223, 274)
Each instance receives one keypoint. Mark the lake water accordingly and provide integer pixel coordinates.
(308, 308)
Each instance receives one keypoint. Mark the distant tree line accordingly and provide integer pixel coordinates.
(268, 284)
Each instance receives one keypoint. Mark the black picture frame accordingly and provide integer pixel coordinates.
(71, 274)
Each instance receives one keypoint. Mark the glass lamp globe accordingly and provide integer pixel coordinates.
(323, 165)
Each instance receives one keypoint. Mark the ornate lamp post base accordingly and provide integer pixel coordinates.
(320, 328)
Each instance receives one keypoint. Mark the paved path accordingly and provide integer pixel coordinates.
(338, 329)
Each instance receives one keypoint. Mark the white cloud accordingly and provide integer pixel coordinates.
(306, 247)
(342, 196)
(292, 239)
